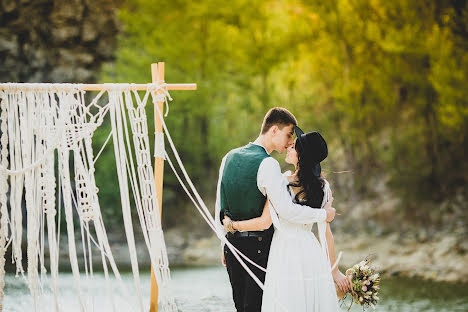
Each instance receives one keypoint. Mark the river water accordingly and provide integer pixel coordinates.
(208, 290)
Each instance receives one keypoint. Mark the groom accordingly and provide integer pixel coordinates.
(247, 176)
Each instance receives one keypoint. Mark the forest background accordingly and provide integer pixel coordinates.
(385, 82)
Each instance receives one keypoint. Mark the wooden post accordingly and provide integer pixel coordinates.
(157, 76)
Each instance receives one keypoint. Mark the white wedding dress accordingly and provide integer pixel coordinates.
(298, 277)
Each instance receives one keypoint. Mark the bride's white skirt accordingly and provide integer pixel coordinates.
(298, 277)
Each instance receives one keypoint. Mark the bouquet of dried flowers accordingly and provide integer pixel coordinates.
(365, 284)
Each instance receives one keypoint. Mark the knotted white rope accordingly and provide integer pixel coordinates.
(39, 119)
(3, 191)
(150, 209)
(119, 148)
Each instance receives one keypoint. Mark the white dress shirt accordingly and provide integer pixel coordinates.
(272, 183)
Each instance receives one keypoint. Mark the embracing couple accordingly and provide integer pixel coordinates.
(268, 216)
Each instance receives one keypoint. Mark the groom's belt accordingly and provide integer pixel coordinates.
(268, 232)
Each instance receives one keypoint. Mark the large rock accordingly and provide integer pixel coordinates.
(435, 259)
(56, 40)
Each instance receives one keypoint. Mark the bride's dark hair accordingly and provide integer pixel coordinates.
(311, 193)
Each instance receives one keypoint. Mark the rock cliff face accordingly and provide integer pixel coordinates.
(56, 40)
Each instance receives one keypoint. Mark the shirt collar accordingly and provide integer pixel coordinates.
(258, 144)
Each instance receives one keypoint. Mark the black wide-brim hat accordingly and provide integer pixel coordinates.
(314, 147)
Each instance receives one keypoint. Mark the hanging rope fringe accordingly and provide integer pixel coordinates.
(39, 121)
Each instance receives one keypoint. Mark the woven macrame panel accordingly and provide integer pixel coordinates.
(47, 124)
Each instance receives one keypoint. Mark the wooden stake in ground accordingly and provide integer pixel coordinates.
(157, 76)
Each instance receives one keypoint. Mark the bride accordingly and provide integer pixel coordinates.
(299, 275)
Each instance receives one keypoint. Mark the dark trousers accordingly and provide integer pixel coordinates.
(246, 293)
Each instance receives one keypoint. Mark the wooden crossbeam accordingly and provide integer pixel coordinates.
(136, 86)
(142, 87)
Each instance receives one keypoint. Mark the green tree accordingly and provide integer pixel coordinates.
(385, 82)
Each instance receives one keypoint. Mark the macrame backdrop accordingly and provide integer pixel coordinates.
(47, 124)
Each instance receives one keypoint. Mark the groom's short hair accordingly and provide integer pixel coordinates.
(279, 116)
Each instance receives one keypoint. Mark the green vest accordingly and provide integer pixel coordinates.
(240, 197)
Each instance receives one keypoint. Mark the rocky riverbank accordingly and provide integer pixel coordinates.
(443, 258)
